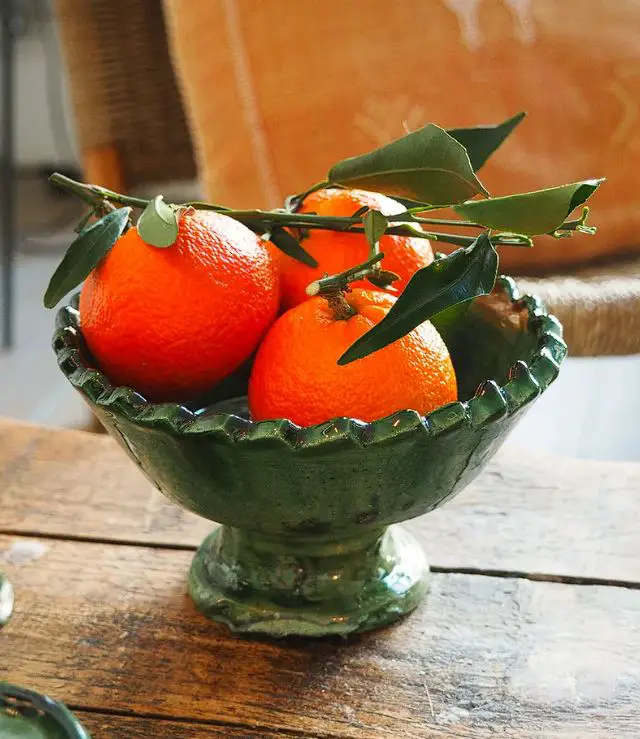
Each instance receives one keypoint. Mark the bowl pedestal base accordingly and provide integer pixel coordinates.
(307, 586)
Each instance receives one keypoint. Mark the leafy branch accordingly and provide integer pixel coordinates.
(457, 278)
(258, 220)
(427, 170)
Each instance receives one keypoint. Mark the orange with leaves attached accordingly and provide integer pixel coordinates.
(173, 322)
(337, 251)
(296, 374)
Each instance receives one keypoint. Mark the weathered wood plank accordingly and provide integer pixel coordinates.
(526, 513)
(117, 727)
(62, 482)
(110, 627)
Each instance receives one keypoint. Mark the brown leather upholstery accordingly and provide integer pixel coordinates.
(277, 91)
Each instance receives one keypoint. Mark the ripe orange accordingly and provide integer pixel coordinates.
(336, 251)
(173, 322)
(296, 375)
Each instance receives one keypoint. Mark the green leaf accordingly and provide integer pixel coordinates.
(461, 276)
(448, 321)
(291, 246)
(85, 254)
(158, 223)
(375, 224)
(529, 213)
(481, 141)
(426, 166)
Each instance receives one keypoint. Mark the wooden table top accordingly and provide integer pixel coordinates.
(532, 627)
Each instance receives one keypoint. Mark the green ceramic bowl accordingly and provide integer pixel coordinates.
(308, 543)
(25, 714)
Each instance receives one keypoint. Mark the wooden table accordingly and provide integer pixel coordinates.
(532, 628)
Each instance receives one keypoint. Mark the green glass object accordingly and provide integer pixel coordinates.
(25, 714)
(308, 543)
(6, 600)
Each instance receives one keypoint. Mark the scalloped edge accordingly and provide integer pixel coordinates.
(491, 402)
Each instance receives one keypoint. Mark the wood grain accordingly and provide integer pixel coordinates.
(70, 483)
(102, 726)
(109, 627)
(116, 727)
(527, 513)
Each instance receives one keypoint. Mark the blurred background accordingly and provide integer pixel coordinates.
(245, 102)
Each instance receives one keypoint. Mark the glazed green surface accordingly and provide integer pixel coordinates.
(25, 714)
(344, 479)
(301, 586)
(18, 727)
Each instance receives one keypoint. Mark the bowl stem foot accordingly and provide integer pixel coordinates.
(306, 586)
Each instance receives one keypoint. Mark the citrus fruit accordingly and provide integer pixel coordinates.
(296, 375)
(337, 251)
(172, 322)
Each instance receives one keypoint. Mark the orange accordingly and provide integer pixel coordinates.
(172, 322)
(336, 251)
(296, 375)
